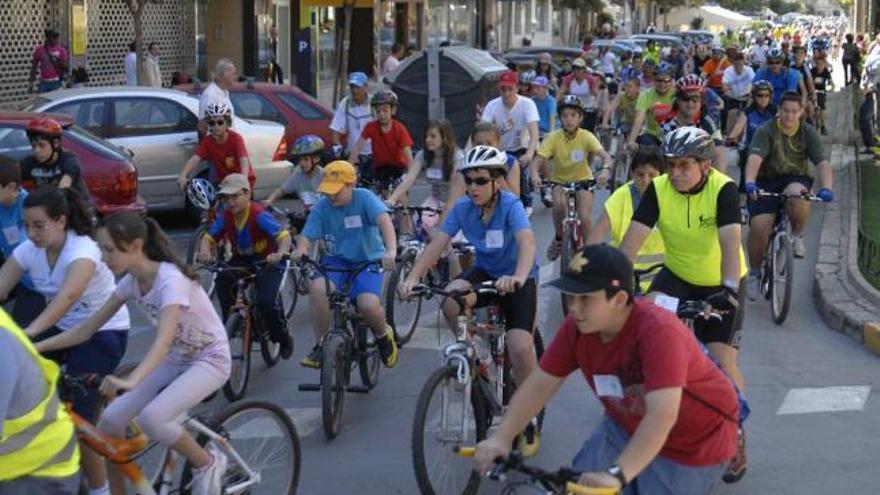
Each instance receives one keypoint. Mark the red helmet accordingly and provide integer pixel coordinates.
(691, 83)
(44, 127)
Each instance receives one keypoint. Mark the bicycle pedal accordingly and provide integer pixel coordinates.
(358, 389)
(309, 387)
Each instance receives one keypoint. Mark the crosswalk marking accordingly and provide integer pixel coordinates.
(824, 399)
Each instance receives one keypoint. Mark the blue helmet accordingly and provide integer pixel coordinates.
(358, 79)
(307, 145)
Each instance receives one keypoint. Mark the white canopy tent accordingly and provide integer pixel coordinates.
(715, 18)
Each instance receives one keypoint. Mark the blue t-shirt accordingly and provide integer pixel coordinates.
(351, 232)
(546, 112)
(755, 118)
(495, 242)
(12, 231)
(246, 246)
(786, 80)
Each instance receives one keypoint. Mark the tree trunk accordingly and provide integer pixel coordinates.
(136, 7)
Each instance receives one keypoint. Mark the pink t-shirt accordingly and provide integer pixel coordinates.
(200, 333)
(47, 68)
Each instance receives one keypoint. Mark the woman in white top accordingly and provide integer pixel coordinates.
(65, 266)
(188, 360)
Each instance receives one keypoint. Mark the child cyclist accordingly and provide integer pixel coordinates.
(391, 142)
(619, 207)
(49, 163)
(188, 360)
(307, 155)
(223, 148)
(486, 134)
(571, 148)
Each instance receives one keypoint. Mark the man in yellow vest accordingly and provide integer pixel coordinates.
(38, 447)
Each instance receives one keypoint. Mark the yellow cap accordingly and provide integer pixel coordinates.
(337, 175)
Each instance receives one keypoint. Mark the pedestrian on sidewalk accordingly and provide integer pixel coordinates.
(53, 61)
(225, 75)
(131, 71)
(850, 60)
(393, 60)
(152, 70)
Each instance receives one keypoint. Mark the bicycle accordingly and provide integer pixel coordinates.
(688, 310)
(207, 212)
(466, 412)
(244, 322)
(258, 438)
(348, 341)
(296, 280)
(560, 482)
(614, 141)
(777, 269)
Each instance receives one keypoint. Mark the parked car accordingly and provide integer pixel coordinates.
(108, 171)
(695, 37)
(521, 55)
(296, 110)
(618, 46)
(159, 127)
(664, 41)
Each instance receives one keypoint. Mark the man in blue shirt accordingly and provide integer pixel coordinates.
(546, 106)
(782, 78)
(495, 222)
(356, 229)
(28, 303)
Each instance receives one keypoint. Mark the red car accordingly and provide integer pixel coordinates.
(108, 171)
(288, 105)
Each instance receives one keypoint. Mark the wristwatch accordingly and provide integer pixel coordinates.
(617, 472)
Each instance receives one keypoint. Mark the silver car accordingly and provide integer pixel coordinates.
(159, 127)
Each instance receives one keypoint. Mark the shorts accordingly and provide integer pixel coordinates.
(820, 100)
(519, 307)
(100, 354)
(34, 485)
(388, 177)
(368, 281)
(729, 331)
(771, 206)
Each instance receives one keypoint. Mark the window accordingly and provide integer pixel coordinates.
(250, 105)
(88, 114)
(302, 107)
(14, 143)
(150, 116)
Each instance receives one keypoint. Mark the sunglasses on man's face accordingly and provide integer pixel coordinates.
(480, 181)
(664, 81)
(218, 122)
(762, 95)
(690, 98)
(775, 62)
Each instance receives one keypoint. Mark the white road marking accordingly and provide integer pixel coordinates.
(824, 399)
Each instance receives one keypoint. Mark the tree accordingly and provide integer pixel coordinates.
(136, 7)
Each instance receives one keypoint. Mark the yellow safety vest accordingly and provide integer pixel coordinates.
(42, 442)
(620, 208)
(690, 233)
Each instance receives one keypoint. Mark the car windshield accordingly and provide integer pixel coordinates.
(30, 104)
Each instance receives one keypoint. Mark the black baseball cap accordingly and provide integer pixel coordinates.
(596, 267)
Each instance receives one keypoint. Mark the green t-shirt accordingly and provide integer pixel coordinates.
(786, 155)
(646, 103)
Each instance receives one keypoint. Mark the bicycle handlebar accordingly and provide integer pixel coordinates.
(587, 185)
(222, 266)
(416, 209)
(805, 196)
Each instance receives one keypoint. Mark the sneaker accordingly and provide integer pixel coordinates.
(529, 441)
(753, 286)
(798, 247)
(529, 211)
(875, 150)
(313, 360)
(737, 467)
(824, 131)
(209, 480)
(387, 347)
(286, 346)
(554, 249)
(547, 198)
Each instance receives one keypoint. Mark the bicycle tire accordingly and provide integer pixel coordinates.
(289, 293)
(419, 433)
(782, 272)
(402, 332)
(334, 380)
(369, 360)
(565, 255)
(620, 172)
(221, 424)
(206, 279)
(271, 351)
(236, 330)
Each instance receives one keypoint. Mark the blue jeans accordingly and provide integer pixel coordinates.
(46, 86)
(661, 477)
(267, 284)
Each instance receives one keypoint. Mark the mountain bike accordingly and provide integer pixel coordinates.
(458, 402)
(688, 310)
(616, 140)
(258, 438)
(777, 269)
(207, 216)
(563, 481)
(349, 341)
(296, 280)
(244, 323)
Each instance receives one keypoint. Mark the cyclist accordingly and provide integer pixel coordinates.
(308, 155)
(525, 83)
(670, 414)
(496, 224)
(354, 224)
(47, 460)
(622, 109)
(806, 87)
(64, 264)
(254, 235)
(652, 107)
(486, 134)
(223, 148)
(188, 360)
(760, 111)
(713, 69)
(822, 81)
(571, 148)
(696, 209)
(546, 105)
(778, 162)
(634, 69)
(652, 52)
(736, 86)
(49, 163)
(545, 68)
(688, 111)
(353, 114)
(779, 74)
(648, 76)
(617, 213)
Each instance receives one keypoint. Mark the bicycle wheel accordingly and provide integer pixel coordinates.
(782, 273)
(369, 360)
(270, 350)
(620, 172)
(265, 440)
(568, 251)
(446, 416)
(239, 336)
(334, 380)
(402, 315)
(289, 294)
(206, 278)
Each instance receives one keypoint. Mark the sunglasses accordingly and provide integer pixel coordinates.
(775, 62)
(690, 98)
(480, 181)
(663, 81)
(762, 95)
(218, 122)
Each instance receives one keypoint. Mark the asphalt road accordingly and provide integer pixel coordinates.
(813, 428)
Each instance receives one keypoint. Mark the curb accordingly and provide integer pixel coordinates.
(846, 301)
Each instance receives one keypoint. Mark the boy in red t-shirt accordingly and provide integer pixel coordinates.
(223, 148)
(671, 415)
(392, 144)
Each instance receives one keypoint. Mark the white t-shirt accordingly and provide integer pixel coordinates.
(390, 65)
(758, 54)
(200, 333)
(131, 73)
(212, 92)
(512, 123)
(352, 122)
(608, 62)
(49, 280)
(740, 84)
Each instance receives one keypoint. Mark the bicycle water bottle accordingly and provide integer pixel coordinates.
(484, 358)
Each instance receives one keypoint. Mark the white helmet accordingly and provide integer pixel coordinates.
(486, 157)
(217, 108)
(200, 193)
